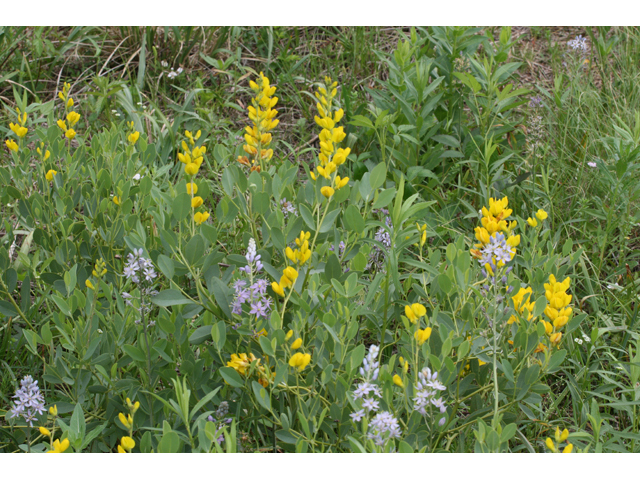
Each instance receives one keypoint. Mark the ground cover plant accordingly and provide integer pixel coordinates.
(319, 240)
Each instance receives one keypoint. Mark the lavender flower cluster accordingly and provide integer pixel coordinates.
(579, 44)
(29, 400)
(288, 208)
(495, 251)
(426, 390)
(377, 255)
(253, 292)
(138, 265)
(220, 413)
(384, 425)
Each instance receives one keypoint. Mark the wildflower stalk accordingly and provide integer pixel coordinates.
(146, 340)
(313, 242)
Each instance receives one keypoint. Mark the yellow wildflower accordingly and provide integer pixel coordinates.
(192, 188)
(541, 215)
(133, 137)
(532, 222)
(422, 335)
(11, 145)
(398, 381)
(127, 443)
(196, 202)
(240, 363)
(45, 431)
(117, 200)
(296, 344)
(59, 447)
(50, 174)
(414, 312)
(327, 191)
(300, 361)
(200, 217)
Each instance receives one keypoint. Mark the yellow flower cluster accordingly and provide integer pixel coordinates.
(540, 215)
(193, 158)
(241, 363)
(422, 230)
(300, 361)
(99, 271)
(397, 379)
(19, 129)
(289, 276)
(494, 220)
(559, 437)
(331, 135)
(262, 115)
(300, 255)
(72, 117)
(558, 310)
(520, 305)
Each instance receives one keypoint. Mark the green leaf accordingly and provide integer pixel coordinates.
(77, 424)
(182, 206)
(332, 268)
(194, 251)
(219, 292)
(168, 298)
(261, 395)
(200, 335)
(135, 353)
(166, 266)
(307, 216)
(378, 176)
(353, 219)
(384, 198)
(7, 309)
(170, 443)
(231, 376)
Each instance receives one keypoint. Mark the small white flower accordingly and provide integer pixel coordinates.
(136, 177)
(139, 103)
(100, 331)
(164, 64)
(592, 164)
(578, 341)
(179, 70)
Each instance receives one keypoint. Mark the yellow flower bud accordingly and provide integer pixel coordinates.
(70, 134)
(398, 381)
(88, 283)
(568, 448)
(191, 169)
(53, 410)
(117, 200)
(550, 444)
(532, 222)
(288, 335)
(422, 335)
(565, 435)
(72, 118)
(196, 202)
(296, 344)
(128, 443)
(50, 174)
(45, 431)
(192, 188)
(11, 145)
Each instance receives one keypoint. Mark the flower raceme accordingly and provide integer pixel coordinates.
(520, 305)
(300, 255)
(262, 115)
(558, 311)
(241, 363)
(330, 157)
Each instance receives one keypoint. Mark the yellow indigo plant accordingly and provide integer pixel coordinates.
(262, 115)
(193, 156)
(71, 117)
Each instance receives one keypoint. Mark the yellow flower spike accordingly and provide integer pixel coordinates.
(398, 381)
(550, 445)
(422, 335)
(192, 188)
(59, 447)
(72, 118)
(128, 443)
(196, 202)
(277, 288)
(296, 344)
(11, 145)
(191, 169)
(200, 217)
(327, 192)
(133, 137)
(70, 134)
(88, 284)
(532, 222)
(50, 174)
(53, 410)
(541, 215)
(568, 448)
(117, 200)
(45, 431)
